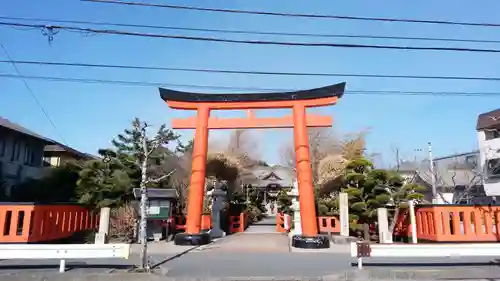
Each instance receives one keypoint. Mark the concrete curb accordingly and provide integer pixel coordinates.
(354, 275)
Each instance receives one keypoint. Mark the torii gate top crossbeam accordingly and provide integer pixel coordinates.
(308, 98)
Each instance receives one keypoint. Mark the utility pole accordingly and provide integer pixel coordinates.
(398, 162)
(417, 151)
(433, 175)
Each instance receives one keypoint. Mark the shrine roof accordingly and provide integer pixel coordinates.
(264, 176)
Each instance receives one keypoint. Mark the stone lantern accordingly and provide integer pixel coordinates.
(218, 195)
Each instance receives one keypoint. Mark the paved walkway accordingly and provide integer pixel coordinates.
(266, 225)
(249, 242)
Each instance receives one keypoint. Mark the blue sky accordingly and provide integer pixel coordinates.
(90, 115)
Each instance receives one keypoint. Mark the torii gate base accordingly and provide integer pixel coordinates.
(298, 102)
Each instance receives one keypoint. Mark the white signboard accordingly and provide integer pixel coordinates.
(154, 210)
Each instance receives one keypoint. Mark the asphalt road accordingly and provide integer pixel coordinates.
(260, 266)
(314, 265)
(261, 256)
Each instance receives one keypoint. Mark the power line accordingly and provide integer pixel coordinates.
(30, 91)
(254, 89)
(50, 32)
(226, 71)
(296, 15)
(254, 32)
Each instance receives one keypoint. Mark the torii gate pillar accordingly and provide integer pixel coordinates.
(298, 101)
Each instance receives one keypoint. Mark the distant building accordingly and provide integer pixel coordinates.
(488, 134)
(457, 178)
(269, 180)
(56, 155)
(467, 159)
(21, 155)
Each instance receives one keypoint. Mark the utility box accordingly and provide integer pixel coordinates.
(159, 209)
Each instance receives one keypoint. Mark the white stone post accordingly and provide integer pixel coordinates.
(286, 221)
(297, 224)
(344, 214)
(383, 226)
(102, 235)
(413, 222)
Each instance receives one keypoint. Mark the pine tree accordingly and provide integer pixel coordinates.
(104, 183)
(284, 202)
(184, 148)
(369, 189)
(130, 151)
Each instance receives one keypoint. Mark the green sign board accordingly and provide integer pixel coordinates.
(159, 209)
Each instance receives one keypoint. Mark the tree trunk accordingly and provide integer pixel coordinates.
(394, 221)
(143, 223)
(366, 230)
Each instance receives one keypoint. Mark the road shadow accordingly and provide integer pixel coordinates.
(162, 262)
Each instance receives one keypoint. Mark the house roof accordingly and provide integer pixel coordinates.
(51, 145)
(6, 123)
(475, 152)
(64, 148)
(488, 120)
(406, 166)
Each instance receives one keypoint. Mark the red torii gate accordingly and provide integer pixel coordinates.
(298, 101)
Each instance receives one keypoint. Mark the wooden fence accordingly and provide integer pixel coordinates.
(435, 223)
(452, 223)
(34, 223)
(325, 224)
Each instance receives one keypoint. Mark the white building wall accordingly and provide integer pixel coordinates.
(489, 149)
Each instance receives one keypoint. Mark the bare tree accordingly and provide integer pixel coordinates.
(322, 141)
(242, 142)
(287, 153)
(455, 176)
(467, 178)
(329, 154)
(397, 157)
(148, 146)
(233, 161)
(179, 180)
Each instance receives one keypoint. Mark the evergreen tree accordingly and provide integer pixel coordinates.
(110, 181)
(255, 204)
(130, 149)
(104, 183)
(369, 189)
(185, 148)
(58, 186)
(284, 202)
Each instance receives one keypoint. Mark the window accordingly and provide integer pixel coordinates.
(492, 134)
(493, 168)
(16, 150)
(2, 146)
(29, 155)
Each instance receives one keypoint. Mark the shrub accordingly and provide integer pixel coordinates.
(123, 222)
